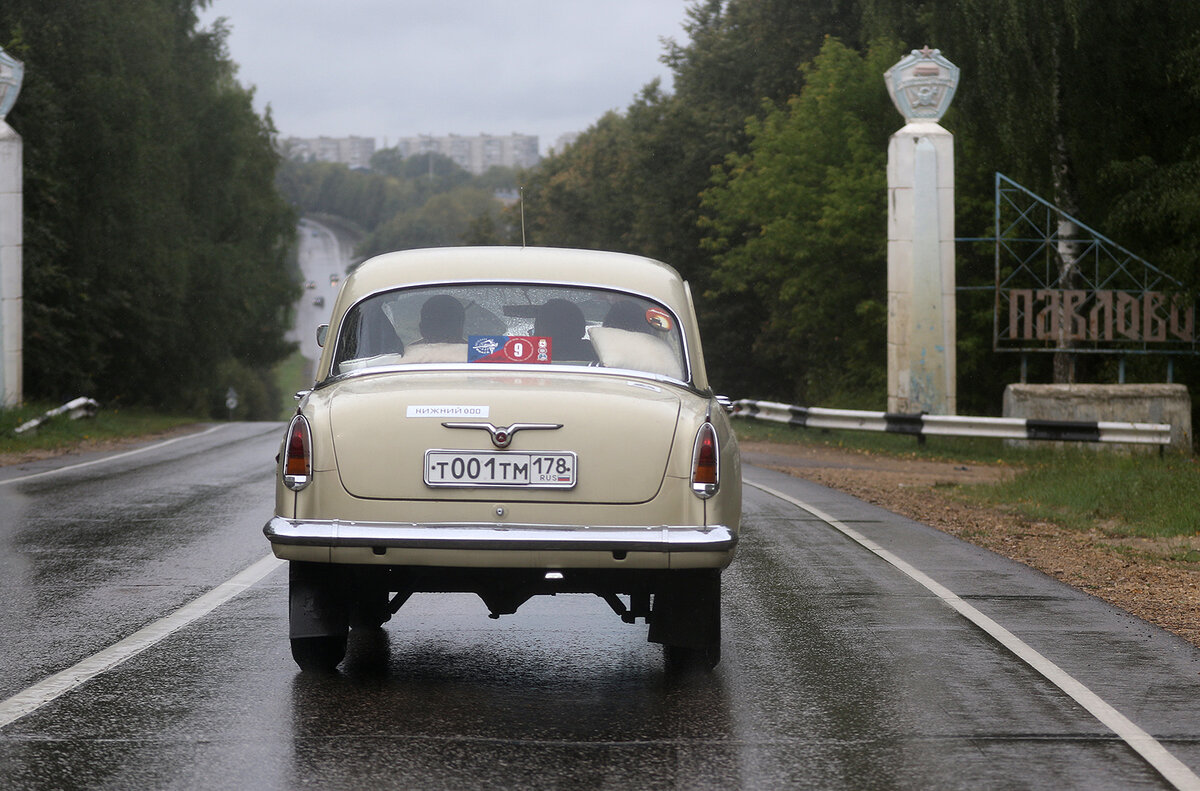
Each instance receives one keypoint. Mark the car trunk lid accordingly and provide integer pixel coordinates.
(620, 430)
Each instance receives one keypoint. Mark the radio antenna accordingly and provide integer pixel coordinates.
(522, 202)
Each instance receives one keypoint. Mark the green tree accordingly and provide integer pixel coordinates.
(443, 220)
(1157, 209)
(800, 221)
(740, 52)
(581, 197)
(633, 181)
(156, 241)
(401, 202)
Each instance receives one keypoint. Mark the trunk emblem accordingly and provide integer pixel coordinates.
(502, 435)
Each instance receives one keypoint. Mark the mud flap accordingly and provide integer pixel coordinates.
(687, 610)
(318, 604)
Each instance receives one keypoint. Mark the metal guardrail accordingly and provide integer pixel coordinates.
(922, 425)
(76, 409)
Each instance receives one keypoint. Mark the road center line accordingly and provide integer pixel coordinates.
(1175, 771)
(82, 464)
(63, 682)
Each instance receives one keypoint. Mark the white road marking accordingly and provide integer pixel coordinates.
(63, 682)
(114, 457)
(1175, 771)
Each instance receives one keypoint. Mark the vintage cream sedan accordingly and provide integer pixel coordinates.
(509, 422)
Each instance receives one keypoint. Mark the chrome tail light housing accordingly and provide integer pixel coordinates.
(706, 462)
(297, 455)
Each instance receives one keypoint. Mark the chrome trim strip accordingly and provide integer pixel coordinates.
(538, 368)
(502, 435)
(485, 536)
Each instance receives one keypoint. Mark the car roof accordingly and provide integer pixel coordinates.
(620, 271)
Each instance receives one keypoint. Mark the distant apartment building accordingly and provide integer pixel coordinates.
(565, 141)
(478, 153)
(356, 152)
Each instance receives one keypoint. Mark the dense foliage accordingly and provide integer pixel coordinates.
(810, 191)
(155, 242)
(761, 177)
(401, 202)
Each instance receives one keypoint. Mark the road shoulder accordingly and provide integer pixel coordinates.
(1140, 578)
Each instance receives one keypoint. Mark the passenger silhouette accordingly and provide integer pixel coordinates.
(627, 315)
(563, 322)
(441, 326)
(442, 319)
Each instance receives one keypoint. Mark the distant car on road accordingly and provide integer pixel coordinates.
(508, 422)
(333, 279)
(311, 284)
(319, 302)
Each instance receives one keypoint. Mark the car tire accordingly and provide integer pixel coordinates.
(683, 659)
(370, 611)
(686, 619)
(319, 654)
(317, 615)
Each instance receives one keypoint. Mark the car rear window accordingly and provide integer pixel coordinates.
(507, 323)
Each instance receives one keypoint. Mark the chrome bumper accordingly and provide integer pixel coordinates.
(394, 535)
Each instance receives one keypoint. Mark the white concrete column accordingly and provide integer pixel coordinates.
(11, 380)
(921, 297)
(920, 174)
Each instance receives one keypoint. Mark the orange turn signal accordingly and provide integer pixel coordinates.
(706, 472)
(297, 455)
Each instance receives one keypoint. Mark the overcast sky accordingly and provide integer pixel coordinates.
(396, 68)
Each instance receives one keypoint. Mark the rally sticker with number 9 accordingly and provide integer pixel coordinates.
(508, 349)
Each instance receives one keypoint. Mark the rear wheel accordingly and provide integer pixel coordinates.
(370, 609)
(318, 610)
(686, 619)
(680, 658)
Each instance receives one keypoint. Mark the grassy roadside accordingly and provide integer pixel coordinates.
(292, 374)
(115, 423)
(1124, 495)
(62, 432)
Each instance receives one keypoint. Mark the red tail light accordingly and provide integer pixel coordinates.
(297, 455)
(706, 471)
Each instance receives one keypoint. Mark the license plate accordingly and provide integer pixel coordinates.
(544, 470)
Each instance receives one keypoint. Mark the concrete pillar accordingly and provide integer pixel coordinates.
(11, 382)
(921, 297)
(920, 279)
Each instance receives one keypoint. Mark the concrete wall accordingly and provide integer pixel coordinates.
(1149, 403)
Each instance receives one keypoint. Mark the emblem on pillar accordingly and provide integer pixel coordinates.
(11, 73)
(922, 85)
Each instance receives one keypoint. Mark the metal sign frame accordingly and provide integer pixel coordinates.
(1117, 302)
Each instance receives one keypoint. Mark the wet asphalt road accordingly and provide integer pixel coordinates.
(839, 671)
(321, 256)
